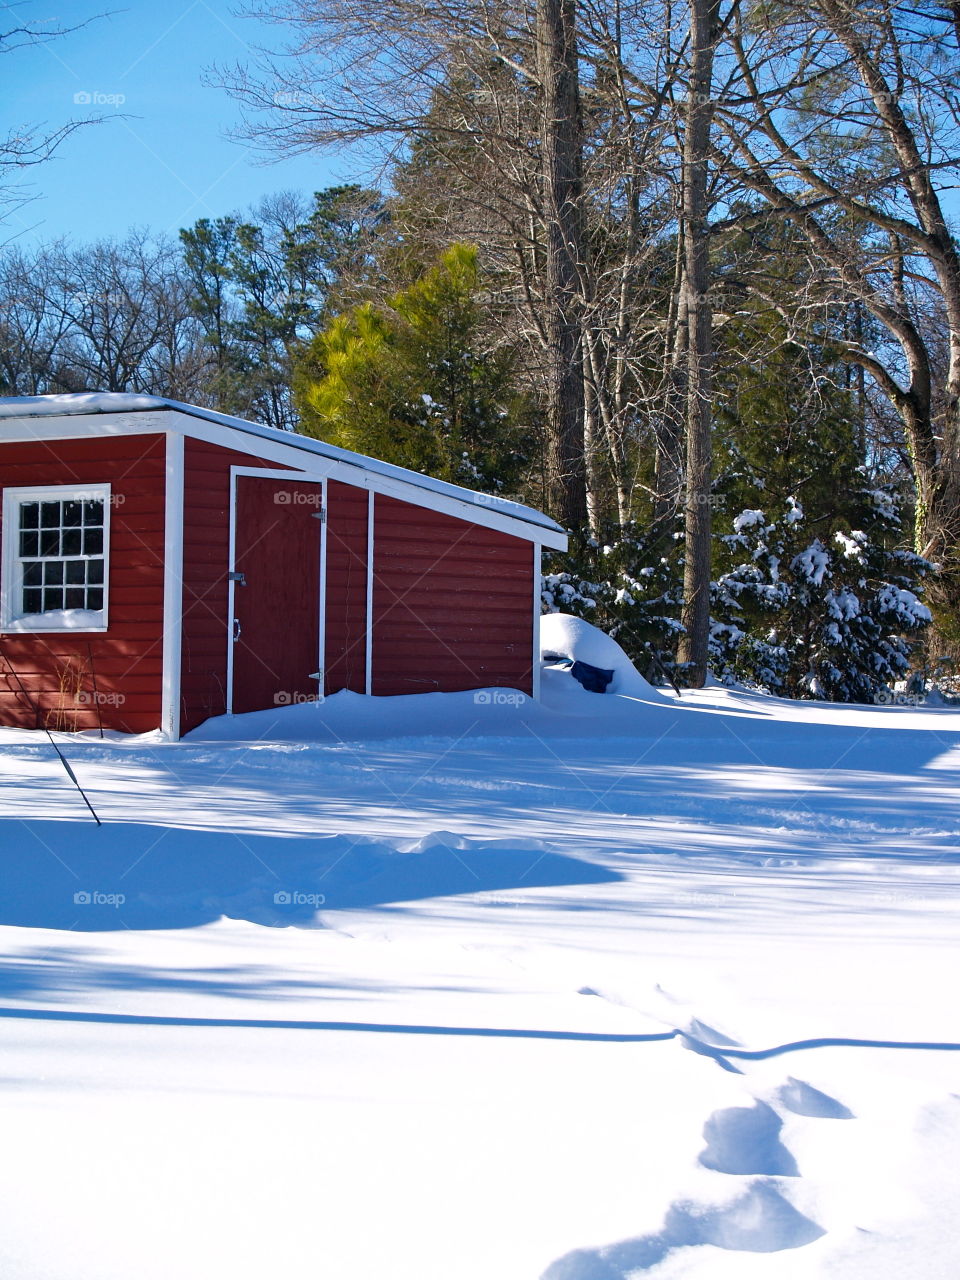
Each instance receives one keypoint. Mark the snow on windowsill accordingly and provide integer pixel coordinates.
(59, 620)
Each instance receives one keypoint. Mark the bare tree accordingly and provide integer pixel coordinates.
(704, 34)
(497, 81)
(558, 69)
(29, 145)
(114, 316)
(848, 127)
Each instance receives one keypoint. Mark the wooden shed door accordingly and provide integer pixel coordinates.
(277, 603)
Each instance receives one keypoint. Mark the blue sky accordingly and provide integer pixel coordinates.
(168, 162)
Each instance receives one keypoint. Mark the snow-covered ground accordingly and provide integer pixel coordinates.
(462, 987)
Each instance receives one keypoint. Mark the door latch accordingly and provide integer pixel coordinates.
(240, 578)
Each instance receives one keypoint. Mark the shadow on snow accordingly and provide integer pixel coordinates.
(59, 875)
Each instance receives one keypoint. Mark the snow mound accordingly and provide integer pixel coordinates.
(77, 402)
(804, 1100)
(563, 635)
(60, 620)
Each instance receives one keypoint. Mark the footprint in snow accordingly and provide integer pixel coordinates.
(760, 1220)
(747, 1140)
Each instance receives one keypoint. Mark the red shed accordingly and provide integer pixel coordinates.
(163, 563)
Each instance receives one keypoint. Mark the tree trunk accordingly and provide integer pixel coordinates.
(699, 382)
(562, 142)
(668, 478)
(591, 451)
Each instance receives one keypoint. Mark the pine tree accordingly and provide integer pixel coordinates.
(261, 287)
(412, 382)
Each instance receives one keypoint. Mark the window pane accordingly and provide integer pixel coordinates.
(70, 542)
(92, 542)
(61, 548)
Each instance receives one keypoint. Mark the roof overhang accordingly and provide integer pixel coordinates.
(74, 417)
(23, 419)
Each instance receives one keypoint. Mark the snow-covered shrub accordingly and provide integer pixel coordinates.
(801, 607)
(628, 589)
(806, 613)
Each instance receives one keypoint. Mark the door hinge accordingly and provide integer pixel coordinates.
(316, 675)
(320, 515)
(240, 578)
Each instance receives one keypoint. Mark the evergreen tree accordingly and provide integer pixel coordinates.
(262, 287)
(821, 612)
(413, 382)
(629, 588)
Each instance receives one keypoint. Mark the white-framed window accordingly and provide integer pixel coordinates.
(56, 558)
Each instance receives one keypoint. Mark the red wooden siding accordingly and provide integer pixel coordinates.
(79, 679)
(206, 553)
(452, 603)
(345, 654)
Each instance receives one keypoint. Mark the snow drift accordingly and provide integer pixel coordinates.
(564, 636)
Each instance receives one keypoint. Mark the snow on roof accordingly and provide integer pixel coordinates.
(124, 402)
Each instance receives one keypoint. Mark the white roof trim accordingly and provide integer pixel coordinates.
(279, 448)
(125, 407)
